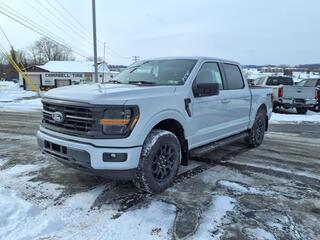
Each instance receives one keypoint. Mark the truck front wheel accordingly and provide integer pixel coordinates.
(159, 161)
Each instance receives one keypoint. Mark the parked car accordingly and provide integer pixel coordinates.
(144, 123)
(312, 82)
(287, 95)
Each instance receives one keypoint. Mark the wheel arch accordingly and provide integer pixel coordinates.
(174, 126)
(263, 107)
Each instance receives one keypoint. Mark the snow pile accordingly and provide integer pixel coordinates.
(213, 218)
(22, 105)
(10, 91)
(75, 219)
(297, 118)
(241, 188)
(22, 220)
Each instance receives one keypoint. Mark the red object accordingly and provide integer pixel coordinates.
(280, 92)
(318, 93)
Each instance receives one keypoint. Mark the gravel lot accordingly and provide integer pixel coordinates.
(272, 192)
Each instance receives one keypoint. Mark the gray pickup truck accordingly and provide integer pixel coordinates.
(143, 124)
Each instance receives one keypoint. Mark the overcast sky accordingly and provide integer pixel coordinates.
(248, 31)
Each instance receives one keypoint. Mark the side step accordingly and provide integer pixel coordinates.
(214, 145)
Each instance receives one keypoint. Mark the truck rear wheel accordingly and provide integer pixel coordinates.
(302, 110)
(159, 161)
(256, 133)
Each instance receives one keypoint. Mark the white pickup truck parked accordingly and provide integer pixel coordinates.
(144, 123)
(287, 95)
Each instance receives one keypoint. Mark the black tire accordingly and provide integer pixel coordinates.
(256, 133)
(274, 107)
(159, 161)
(302, 110)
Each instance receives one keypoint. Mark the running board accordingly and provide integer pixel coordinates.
(214, 145)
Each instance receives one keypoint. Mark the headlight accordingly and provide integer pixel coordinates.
(119, 121)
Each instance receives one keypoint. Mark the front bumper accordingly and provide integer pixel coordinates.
(87, 157)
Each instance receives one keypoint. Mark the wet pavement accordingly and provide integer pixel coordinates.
(271, 192)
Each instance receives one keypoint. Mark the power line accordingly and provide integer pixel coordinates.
(5, 35)
(48, 19)
(60, 20)
(89, 34)
(73, 26)
(42, 34)
(74, 18)
(26, 20)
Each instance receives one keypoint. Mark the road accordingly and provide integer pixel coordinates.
(273, 190)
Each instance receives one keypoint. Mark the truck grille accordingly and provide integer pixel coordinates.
(77, 120)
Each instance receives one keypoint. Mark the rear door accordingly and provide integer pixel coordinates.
(237, 101)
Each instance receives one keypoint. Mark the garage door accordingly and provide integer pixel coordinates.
(63, 82)
(35, 82)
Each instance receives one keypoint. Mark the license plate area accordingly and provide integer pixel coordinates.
(297, 100)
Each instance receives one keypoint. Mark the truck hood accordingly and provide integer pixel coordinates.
(107, 93)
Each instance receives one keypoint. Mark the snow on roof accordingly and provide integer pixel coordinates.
(73, 66)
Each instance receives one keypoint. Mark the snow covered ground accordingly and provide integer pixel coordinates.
(14, 98)
(20, 219)
(311, 117)
(10, 91)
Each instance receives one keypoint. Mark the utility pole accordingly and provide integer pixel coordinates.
(135, 58)
(104, 59)
(94, 41)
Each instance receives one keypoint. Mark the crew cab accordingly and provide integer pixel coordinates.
(312, 82)
(287, 95)
(143, 124)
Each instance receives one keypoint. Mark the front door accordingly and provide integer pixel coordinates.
(208, 112)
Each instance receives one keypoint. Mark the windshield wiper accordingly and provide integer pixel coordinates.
(114, 81)
(142, 82)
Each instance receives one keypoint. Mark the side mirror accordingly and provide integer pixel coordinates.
(206, 89)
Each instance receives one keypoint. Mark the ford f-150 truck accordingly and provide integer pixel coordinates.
(287, 95)
(313, 83)
(144, 123)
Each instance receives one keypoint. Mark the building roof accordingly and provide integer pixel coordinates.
(74, 66)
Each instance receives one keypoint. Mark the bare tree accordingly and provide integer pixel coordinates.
(45, 49)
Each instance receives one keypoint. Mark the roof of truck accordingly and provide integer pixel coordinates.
(201, 58)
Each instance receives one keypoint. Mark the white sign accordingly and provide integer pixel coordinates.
(48, 79)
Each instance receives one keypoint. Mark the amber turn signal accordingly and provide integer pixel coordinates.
(114, 121)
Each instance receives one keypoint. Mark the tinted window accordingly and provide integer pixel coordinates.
(209, 73)
(276, 81)
(233, 76)
(311, 83)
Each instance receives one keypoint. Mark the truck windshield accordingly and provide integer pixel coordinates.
(276, 81)
(157, 72)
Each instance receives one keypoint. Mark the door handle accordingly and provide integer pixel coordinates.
(225, 100)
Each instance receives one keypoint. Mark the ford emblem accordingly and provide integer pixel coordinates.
(58, 117)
